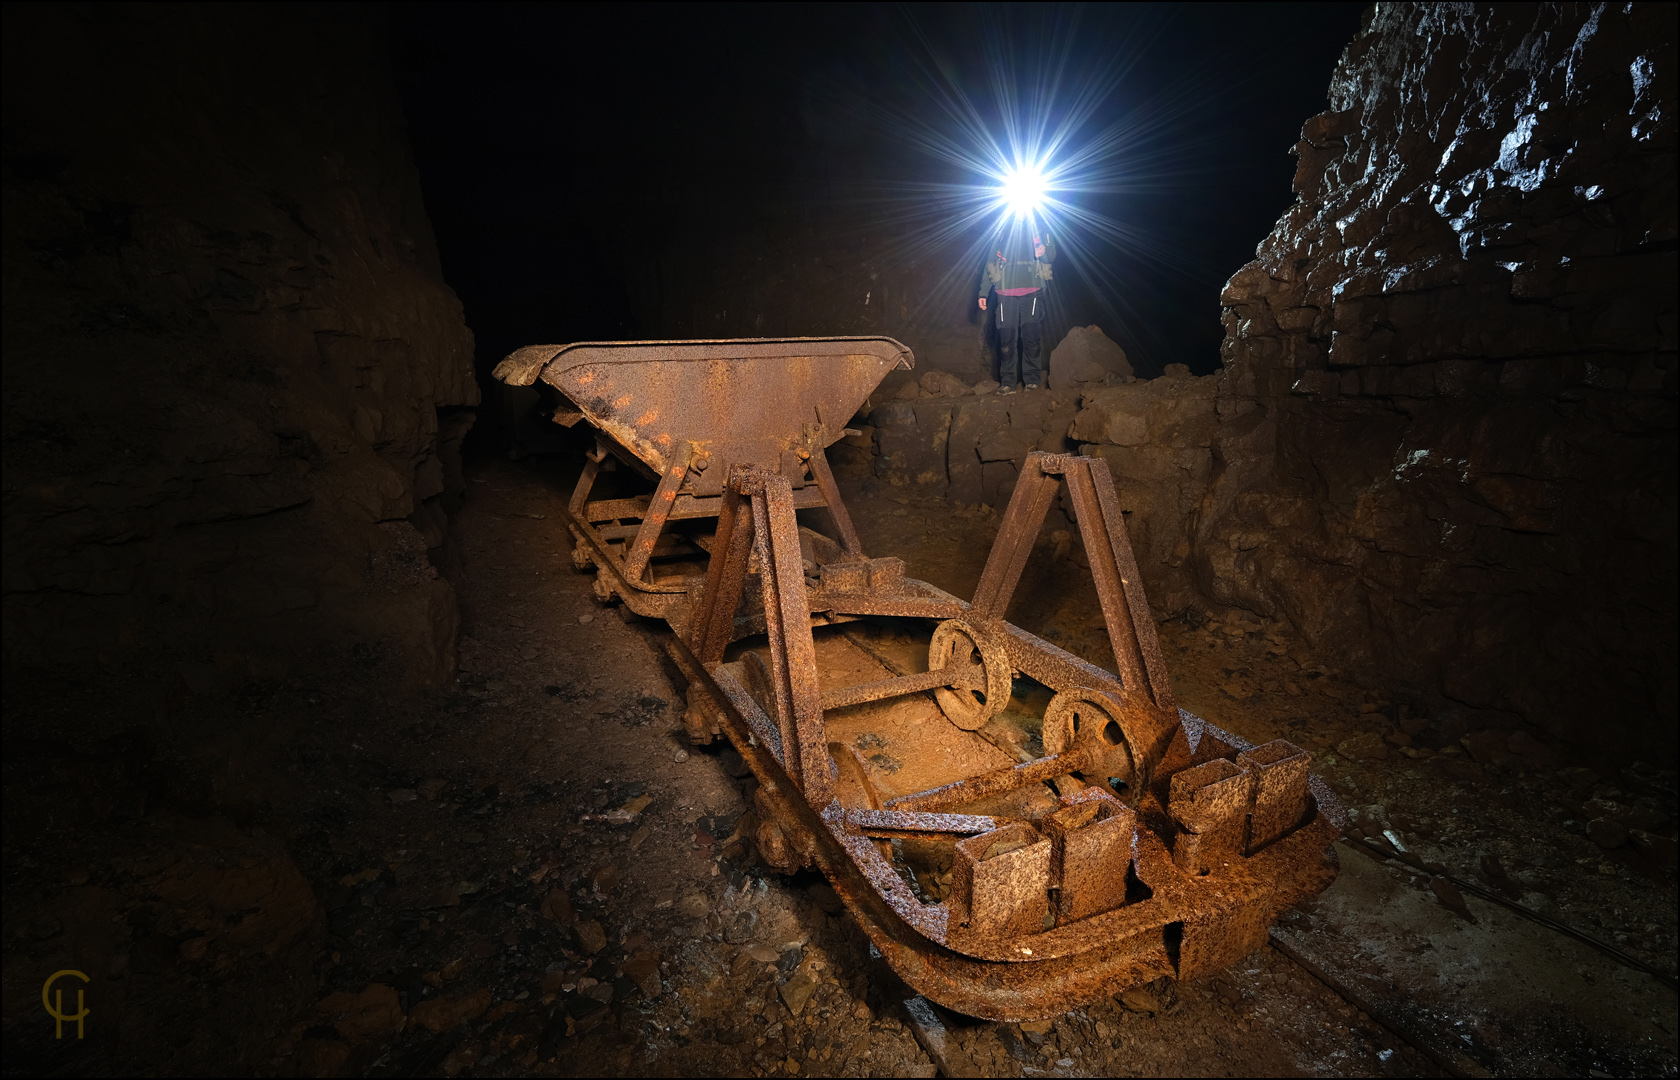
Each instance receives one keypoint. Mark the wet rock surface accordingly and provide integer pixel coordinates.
(236, 381)
(1460, 342)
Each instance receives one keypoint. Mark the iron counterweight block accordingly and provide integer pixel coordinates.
(1141, 842)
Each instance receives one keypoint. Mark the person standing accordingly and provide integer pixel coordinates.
(1018, 273)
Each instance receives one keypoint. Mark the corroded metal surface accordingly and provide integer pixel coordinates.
(684, 413)
(740, 402)
(1140, 842)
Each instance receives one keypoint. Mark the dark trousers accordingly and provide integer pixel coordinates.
(1020, 319)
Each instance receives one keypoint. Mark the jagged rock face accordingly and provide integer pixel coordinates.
(235, 379)
(1454, 361)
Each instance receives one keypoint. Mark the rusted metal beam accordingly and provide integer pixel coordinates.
(899, 823)
(824, 476)
(793, 652)
(685, 507)
(969, 675)
(1034, 491)
(1131, 627)
(1001, 782)
(641, 549)
(586, 479)
(712, 626)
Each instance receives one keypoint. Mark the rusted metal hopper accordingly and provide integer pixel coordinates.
(684, 413)
(1036, 831)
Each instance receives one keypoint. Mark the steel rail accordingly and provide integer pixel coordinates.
(1354, 998)
(1382, 851)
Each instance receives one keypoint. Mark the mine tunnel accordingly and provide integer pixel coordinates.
(858, 540)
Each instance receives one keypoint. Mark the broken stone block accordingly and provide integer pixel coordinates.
(942, 384)
(1086, 355)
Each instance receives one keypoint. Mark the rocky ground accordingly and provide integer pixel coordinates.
(530, 871)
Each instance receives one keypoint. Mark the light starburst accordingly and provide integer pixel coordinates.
(1022, 189)
(1032, 132)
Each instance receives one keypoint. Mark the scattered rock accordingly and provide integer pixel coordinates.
(741, 928)
(1607, 832)
(797, 991)
(375, 1011)
(1661, 850)
(643, 970)
(1366, 746)
(442, 1013)
(402, 795)
(557, 905)
(942, 384)
(1138, 999)
(1451, 899)
(461, 1058)
(591, 936)
(627, 813)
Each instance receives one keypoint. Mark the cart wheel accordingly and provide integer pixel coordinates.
(956, 643)
(582, 557)
(1086, 717)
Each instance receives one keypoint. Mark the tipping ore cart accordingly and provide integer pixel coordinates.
(1018, 831)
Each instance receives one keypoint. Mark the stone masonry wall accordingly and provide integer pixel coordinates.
(236, 383)
(1457, 352)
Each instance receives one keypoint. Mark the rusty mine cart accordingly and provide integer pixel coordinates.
(1018, 831)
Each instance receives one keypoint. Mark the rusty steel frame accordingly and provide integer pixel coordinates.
(653, 405)
(1215, 838)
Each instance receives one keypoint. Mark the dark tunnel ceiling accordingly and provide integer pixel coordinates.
(560, 147)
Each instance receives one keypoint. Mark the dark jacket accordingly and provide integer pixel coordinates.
(1014, 266)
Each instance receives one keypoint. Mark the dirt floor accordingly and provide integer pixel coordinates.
(531, 871)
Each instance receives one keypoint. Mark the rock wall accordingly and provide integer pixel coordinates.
(236, 383)
(1443, 445)
(1456, 352)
